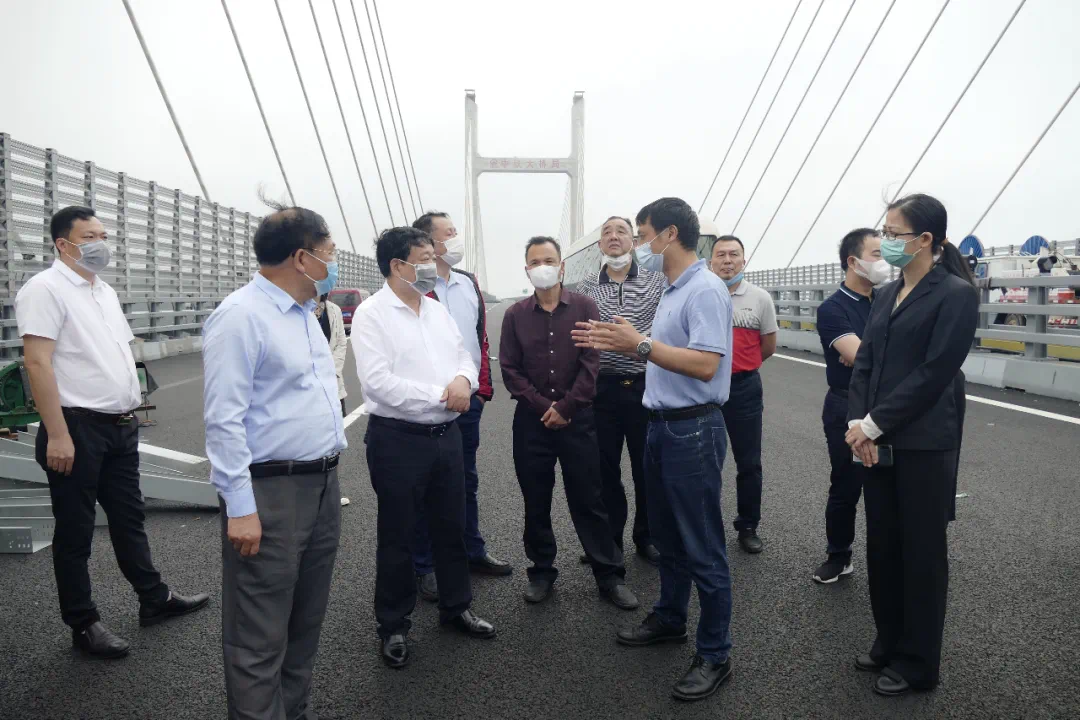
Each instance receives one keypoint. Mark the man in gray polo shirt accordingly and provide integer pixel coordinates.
(688, 373)
(754, 336)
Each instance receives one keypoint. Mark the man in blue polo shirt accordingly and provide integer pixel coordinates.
(687, 380)
(841, 320)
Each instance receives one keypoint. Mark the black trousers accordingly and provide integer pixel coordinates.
(621, 416)
(106, 471)
(743, 417)
(846, 478)
(410, 470)
(907, 564)
(536, 450)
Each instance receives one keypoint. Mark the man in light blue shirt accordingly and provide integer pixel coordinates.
(686, 381)
(274, 433)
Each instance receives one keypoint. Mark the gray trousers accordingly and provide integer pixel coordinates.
(273, 604)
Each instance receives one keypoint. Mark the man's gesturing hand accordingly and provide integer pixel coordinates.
(458, 395)
(245, 534)
(616, 336)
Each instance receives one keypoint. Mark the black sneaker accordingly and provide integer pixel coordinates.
(833, 569)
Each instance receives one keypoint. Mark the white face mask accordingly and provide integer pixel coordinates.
(620, 262)
(455, 251)
(544, 277)
(876, 272)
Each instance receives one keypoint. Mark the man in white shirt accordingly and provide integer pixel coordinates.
(417, 378)
(84, 383)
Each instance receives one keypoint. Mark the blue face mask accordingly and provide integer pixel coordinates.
(648, 259)
(328, 283)
(893, 252)
(734, 281)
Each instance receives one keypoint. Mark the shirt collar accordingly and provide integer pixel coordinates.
(603, 276)
(564, 299)
(455, 279)
(283, 300)
(687, 274)
(741, 290)
(853, 295)
(73, 277)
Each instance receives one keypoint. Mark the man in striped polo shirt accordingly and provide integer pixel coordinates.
(623, 289)
(754, 338)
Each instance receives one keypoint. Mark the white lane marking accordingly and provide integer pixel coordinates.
(355, 415)
(178, 383)
(171, 454)
(799, 360)
(974, 398)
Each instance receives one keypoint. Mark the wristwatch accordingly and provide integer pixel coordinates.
(644, 348)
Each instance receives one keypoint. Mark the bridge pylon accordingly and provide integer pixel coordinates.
(477, 164)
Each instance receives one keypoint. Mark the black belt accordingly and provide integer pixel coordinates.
(411, 428)
(744, 374)
(277, 468)
(623, 380)
(101, 417)
(687, 413)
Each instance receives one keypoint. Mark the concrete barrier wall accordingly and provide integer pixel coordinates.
(1041, 377)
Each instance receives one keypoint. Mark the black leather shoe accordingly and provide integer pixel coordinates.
(891, 684)
(620, 596)
(427, 587)
(175, 606)
(702, 679)
(489, 565)
(649, 553)
(866, 663)
(750, 541)
(395, 652)
(98, 641)
(538, 591)
(473, 626)
(650, 632)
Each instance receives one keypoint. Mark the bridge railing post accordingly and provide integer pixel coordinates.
(1036, 323)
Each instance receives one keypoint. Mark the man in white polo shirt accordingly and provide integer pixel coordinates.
(84, 383)
(754, 335)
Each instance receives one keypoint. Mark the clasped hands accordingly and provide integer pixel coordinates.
(615, 336)
(862, 446)
(457, 395)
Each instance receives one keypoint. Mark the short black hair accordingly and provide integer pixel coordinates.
(64, 220)
(669, 211)
(282, 234)
(625, 220)
(426, 221)
(542, 240)
(852, 244)
(729, 238)
(396, 244)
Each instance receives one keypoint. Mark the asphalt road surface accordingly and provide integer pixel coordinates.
(1012, 634)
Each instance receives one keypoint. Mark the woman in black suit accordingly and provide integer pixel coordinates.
(906, 393)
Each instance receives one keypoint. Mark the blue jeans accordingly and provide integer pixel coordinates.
(423, 561)
(683, 460)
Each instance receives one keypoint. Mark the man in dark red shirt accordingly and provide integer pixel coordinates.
(554, 383)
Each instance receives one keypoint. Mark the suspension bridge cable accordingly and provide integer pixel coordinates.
(389, 107)
(378, 109)
(315, 125)
(262, 114)
(795, 114)
(165, 97)
(952, 109)
(821, 132)
(769, 109)
(344, 123)
(868, 132)
(748, 107)
(367, 127)
(1025, 158)
(393, 85)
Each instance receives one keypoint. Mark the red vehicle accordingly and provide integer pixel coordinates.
(348, 299)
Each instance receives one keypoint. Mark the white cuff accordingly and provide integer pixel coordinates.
(870, 428)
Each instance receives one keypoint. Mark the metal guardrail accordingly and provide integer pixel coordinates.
(175, 256)
(796, 304)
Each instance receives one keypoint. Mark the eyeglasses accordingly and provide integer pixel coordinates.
(896, 236)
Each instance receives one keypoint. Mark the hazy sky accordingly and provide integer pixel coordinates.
(665, 86)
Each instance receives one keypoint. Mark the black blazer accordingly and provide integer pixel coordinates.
(909, 360)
